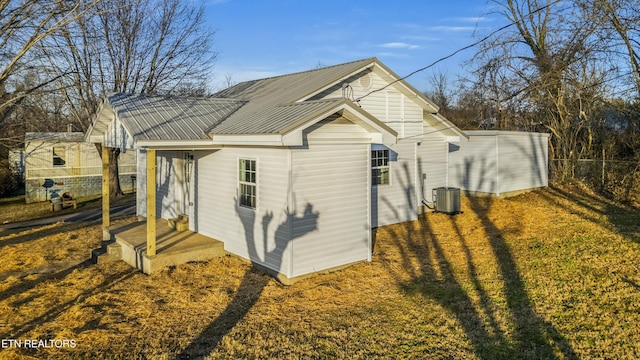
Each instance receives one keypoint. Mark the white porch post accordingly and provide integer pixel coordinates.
(151, 202)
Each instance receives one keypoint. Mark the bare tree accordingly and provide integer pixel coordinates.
(440, 92)
(25, 25)
(619, 27)
(141, 46)
(229, 81)
(537, 72)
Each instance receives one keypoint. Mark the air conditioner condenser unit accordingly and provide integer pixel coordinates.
(447, 200)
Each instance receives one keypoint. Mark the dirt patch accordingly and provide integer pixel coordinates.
(550, 274)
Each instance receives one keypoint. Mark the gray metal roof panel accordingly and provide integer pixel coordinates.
(150, 117)
(266, 93)
(265, 106)
(276, 119)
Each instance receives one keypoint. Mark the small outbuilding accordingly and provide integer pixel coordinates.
(291, 172)
(62, 162)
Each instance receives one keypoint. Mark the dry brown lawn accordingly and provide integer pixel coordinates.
(549, 274)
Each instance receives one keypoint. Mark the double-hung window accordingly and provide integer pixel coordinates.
(380, 167)
(247, 194)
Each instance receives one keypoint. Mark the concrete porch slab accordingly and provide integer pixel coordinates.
(172, 247)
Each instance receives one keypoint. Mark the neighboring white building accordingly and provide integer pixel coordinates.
(502, 163)
(55, 163)
(293, 172)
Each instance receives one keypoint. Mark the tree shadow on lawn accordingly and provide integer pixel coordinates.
(254, 280)
(18, 331)
(527, 334)
(24, 235)
(625, 219)
(476, 310)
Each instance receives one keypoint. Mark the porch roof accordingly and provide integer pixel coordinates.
(149, 117)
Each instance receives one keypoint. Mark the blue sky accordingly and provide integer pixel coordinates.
(257, 39)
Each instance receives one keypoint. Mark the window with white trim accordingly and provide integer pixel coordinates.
(380, 167)
(247, 185)
(59, 156)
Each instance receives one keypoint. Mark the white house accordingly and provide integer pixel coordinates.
(293, 172)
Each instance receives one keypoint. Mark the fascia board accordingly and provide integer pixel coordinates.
(336, 81)
(393, 79)
(152, 144)
(449, 126)
(99, 124)
(249, 139)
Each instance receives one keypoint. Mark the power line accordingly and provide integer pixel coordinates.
(459, 50)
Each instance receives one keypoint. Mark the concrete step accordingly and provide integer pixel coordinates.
(115, 249)
(106, 258)
(109, 252)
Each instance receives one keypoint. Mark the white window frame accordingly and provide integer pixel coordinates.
(247, 199)
(380, 161)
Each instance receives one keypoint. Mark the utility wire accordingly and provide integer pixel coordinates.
(460, 50)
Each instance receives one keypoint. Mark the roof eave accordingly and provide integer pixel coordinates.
(347, 109)
(449, 126)
(174, 144)
(95, 132)
(338, 79)
(292, 135)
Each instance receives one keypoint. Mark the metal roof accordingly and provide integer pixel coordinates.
(56, 137)
(260, 107)
(265, 94)
(276, 119)
(151, 117)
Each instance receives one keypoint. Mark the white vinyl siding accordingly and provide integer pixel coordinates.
(330, 215)
(141, 183)
(432, 167)
(497, 162)
(167, 167)
(75, 164)
(261, 234)
(116, 136)
(168, 184)
(390, 106)
(396, 202)
(337, 130)
(473, 165)
(522, 161)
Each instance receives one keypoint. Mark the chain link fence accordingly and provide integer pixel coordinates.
(619, 178)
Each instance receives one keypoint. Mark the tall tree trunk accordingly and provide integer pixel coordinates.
(114, 178)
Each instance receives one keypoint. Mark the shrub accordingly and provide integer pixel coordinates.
(9, 181)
